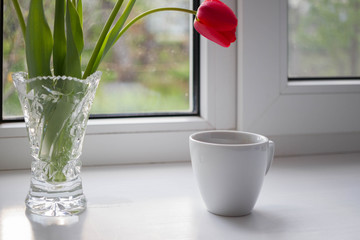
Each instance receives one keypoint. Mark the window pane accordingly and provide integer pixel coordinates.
(324, 38)
(148, 70)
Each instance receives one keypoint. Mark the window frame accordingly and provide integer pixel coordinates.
(194, 78)
(160, 139)
(309, 117)
(244, 87)
(298, 85)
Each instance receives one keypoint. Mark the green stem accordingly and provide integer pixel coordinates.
(150, 12)
(91, 67)
(111, 36)
(20, 16)
(102, 38)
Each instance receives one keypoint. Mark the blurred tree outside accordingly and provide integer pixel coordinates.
(146, 71)
(324, 38)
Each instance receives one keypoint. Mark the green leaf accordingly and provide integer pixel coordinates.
(38, 41)
(20, 16)
(59, 50)
(80, 11)
(111, 37)
(101, 39)
(74, 40)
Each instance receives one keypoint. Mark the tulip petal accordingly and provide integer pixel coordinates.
(230, 35)
(217, 15)
(211, 34)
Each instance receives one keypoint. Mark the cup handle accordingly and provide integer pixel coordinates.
(270, 155)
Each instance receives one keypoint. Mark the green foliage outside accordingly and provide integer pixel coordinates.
(146, 71)
(324, 38)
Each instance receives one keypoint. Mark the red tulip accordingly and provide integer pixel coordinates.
(217, 22)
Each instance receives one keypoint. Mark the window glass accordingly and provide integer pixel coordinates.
(147, 71)
(324, 38)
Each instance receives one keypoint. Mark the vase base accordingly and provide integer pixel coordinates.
(65, 199)
(59, 207)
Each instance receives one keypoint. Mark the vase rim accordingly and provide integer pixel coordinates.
(22, 76)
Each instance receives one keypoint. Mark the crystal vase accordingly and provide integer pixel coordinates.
(56, 111)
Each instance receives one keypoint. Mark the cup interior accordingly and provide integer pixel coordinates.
(228, 138)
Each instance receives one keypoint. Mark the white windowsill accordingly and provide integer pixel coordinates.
(308, 197)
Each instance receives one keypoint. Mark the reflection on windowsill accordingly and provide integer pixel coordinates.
(50, 221)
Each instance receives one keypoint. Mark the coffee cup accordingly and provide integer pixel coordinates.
(229, 167)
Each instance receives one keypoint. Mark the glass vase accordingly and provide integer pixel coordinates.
(56, 111)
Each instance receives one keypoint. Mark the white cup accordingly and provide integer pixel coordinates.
(230, 167)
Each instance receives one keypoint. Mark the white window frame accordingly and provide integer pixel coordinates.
(146, 140)
(301, 117)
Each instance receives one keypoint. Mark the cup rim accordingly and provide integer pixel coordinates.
(264, 139)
